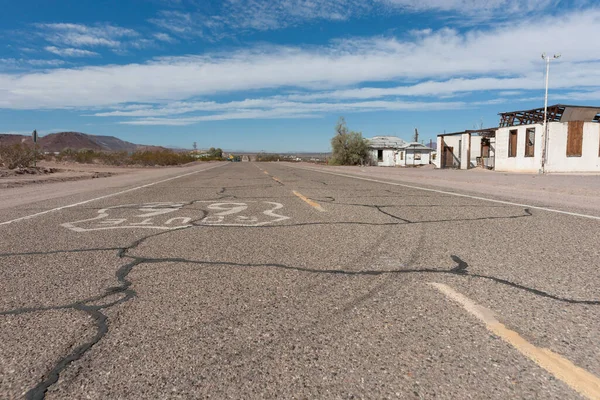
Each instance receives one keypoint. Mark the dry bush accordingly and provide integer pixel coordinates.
(16, 156)
(148, 158)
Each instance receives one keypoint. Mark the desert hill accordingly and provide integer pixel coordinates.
(77, 141)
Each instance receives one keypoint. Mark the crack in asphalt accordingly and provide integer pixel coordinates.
(126, 293)
(94, 311)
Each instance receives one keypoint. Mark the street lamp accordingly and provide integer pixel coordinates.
(545, 127)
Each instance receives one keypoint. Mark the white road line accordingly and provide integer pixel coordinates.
(576, 377)
(105, 196)
(452, 193)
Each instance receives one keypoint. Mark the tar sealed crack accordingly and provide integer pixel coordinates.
(123, 292)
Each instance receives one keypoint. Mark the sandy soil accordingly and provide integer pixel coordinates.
(64, 172)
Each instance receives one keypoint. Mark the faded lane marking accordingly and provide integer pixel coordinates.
(309, 201)
(266, 173)
(451, 193)
(276, 179)
(582, 381)
(106, 196)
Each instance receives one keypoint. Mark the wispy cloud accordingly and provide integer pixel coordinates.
(70, 52)
(78, 35)
(437, 64)
(23, 63)
(164, 37)
(267, 109)
(233, 17)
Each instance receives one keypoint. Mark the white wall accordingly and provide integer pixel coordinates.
(557, 149)
(409, 157)
(519, 163)
(475, 150)
(558, 161)
(388, 158)
(454, 141)
(440, 151)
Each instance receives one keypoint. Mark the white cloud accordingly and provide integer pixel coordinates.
(18, 63)
(230, 17)
(70, 52)
(164, 37)
(445, 61)
(470, 7)
(271, 109)
(78, 35)
(177, 22)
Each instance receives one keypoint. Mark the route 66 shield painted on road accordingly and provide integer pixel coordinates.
(177, 215)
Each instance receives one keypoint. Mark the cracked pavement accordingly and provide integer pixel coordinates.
(224, 284)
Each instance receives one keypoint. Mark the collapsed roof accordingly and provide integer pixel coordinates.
(556, 113)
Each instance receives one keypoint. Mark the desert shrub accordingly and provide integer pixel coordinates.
(147, 158)
(163, 157)
(268, 157)
(16, 156)
(349, 148)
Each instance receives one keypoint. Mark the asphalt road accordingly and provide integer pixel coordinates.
(262, 280)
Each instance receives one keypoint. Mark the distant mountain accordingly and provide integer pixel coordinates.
(77, 141)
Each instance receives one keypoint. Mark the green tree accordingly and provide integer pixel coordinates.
(349, 147)
(216, 153)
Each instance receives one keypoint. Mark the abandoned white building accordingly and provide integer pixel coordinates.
(384, 149)
(572, 142)
(391, 151)
(466, 149)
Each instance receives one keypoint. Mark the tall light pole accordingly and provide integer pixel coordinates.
(545, 127)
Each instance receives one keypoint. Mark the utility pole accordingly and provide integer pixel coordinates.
(545, 126)
(195, 146)
(35, 138)
(416, 135)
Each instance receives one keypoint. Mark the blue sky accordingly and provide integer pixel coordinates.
(275, 75)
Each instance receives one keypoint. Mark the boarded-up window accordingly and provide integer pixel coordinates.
(575, 139)
(401, 155)
(529, 142)
(512, 143)
(485, 147)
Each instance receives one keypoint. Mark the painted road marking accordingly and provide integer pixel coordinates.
(453, 193)
(105, 196)
(309, 201)
(276, 179)
(227, 214)
(577, 378)
(174, 215)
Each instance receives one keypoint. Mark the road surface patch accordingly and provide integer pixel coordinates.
(311, 203)
(582, 381)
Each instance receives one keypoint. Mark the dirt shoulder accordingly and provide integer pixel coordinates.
(580, 192)
(53, 172)
(84, 188)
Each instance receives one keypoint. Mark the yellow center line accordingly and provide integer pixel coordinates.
(582, 381)
(266, 172)
(309, 201)
(276, 179)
